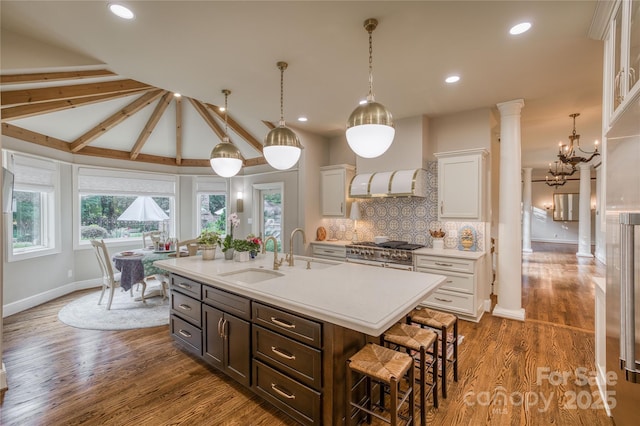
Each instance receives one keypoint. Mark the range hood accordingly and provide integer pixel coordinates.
(399, 183)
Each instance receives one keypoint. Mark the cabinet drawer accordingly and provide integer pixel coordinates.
(298, 328)
(455, 281)
(186, 286)
(451, 301)
(186, 307)
(297, 400)
(445, 263)
(297, 360)
(338, 253)
(187, 335)
(228, 302)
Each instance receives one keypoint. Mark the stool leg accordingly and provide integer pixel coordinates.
(369, 402)
(347, 406)
(455, 351)
(423, 402)
(393, 403)
(434, 373)
(444, 362)
(412, 407)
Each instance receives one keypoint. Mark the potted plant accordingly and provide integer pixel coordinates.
(227, 243)
(254, 245)
(208, 241)
(242, 248)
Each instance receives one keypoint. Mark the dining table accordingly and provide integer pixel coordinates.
(136, 265)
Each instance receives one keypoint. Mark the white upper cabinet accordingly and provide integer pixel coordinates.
(462, 185)
(334, 187)
(622, 60)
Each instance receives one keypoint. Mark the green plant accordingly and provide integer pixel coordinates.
(92, 232)
(227, 243)
(242, 245)
(209, 238)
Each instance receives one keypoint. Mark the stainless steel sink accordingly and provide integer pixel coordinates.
(252, 275)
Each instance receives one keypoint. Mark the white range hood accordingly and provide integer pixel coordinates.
(399, 183)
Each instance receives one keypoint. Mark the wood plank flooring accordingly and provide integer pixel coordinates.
(59, 375)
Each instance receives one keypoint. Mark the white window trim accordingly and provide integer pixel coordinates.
(205, 185)
(130, 174)
(51, 214)
(257, 205)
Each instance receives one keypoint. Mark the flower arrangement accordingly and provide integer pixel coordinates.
(241, 245)
(255, 242)
(209, 238)
(228, 242)
(437, 234)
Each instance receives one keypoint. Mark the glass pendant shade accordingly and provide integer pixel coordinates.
(281, 148)
(370, 130)
(226, 159)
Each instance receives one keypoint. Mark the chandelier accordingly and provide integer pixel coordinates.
(555, 181)
(563, 170)
(567, 153)
(370, 128)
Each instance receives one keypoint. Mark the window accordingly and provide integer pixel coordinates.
(211, 208)
(33, 228)
(117, 205)
(270, 212)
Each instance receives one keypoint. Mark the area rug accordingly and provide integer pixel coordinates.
(125, 312)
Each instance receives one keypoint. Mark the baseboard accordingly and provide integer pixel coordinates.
(38, 299)
(545, 240)
(514, 314)
(589, 255)
(601, 381)
(487, 305)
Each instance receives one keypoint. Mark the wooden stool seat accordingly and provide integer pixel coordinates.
(388, 367)
(444, 323)
(420, 341)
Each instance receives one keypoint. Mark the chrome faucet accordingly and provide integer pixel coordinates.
(304, 241)
(276, 262)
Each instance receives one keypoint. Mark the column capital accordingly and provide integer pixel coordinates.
(510, 107)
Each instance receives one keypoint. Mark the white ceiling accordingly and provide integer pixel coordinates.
(199, 48)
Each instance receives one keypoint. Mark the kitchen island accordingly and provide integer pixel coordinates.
(286, 334)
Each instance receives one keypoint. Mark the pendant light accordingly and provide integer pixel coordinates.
(370, 129)
(226, 159)
(281, 145)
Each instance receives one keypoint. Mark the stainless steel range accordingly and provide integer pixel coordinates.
(390, 254)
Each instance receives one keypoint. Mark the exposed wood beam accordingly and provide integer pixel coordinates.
(151, 124)
(29, 110)
(179, 131)
(115, 119)
(54, 76)
(186, 162)
(258, 161)
(269, 124)
(206, 116)
(33, 137)
(124, 155)
(30, 96)
(237, 128)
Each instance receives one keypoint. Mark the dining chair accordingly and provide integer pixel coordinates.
(110, 279)
(153, 236)
(190, 245)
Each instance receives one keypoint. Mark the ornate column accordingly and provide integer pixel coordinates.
(526, 210)
(584, 224)
(509, 226)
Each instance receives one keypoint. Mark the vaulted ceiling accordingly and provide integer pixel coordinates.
(199, 48)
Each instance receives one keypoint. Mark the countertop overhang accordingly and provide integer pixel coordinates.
(362, 298)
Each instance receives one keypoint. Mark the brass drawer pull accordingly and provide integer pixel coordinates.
(184, 307)
(281, 353)
(444, 264)
(443, 300)
(282, 323)
(185, 286)
(282, 393)
(185, 333)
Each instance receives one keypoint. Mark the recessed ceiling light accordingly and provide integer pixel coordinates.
(452, 79)
(520, 28)
(362, 102)
(303, 119)
(177, 95)
(221, 109)
(121, 11)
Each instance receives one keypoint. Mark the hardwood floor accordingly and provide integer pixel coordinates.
(509, 370)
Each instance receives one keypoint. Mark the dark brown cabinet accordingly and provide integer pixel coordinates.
(226, 343)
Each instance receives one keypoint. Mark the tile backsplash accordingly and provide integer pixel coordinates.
(406, 219)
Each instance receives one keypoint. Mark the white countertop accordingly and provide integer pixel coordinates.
(332, 242)
(362, 298)
(460, 254)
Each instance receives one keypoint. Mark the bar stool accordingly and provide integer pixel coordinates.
(442, 322)
(387, 367)
(420, 341)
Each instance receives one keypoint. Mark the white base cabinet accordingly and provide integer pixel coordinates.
(461, 293)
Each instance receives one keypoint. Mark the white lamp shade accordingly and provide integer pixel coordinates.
(281, 157)
(226, 167)
(355, 211)
(370, 140)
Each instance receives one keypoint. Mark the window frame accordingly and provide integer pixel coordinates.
(257, 226)
(208, 185)
(50, 217)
